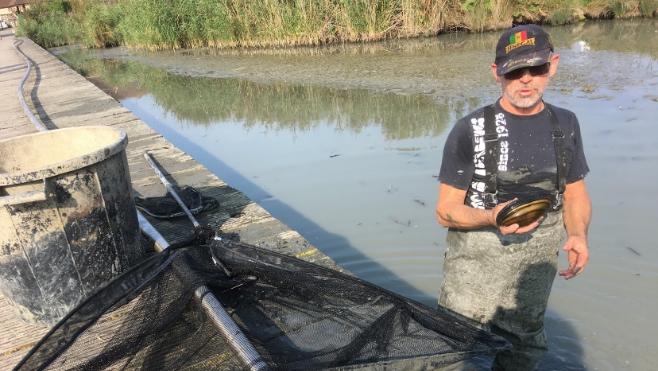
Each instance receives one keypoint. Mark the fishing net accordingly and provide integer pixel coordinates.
(167, 207)
(297, 315)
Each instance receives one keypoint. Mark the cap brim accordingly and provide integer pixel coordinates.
(534, 58)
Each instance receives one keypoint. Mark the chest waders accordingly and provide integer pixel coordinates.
(504, 281)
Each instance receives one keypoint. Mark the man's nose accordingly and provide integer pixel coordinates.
(525, 75)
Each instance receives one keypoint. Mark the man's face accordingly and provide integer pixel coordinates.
(523, 95)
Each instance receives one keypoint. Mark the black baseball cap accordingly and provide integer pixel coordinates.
(522, 46)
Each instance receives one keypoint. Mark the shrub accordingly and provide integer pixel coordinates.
(648, 7)
(48, 26)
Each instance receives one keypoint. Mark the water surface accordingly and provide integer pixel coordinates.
(343, 144)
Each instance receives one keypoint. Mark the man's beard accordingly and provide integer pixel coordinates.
(524, 102)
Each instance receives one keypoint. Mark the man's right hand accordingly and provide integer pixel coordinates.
(514, 228)
(452, 213)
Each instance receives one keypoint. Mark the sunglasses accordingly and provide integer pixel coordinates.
(534, 71)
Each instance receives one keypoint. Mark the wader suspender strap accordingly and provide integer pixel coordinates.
(560, 156)
(491, 155)
(490, 158)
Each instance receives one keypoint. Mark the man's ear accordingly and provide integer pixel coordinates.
(494, 70)
(555, 59)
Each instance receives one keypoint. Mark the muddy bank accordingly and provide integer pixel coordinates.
(447, 68)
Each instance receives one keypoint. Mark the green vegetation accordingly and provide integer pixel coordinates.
(49, 25)
(647, 7)
(157, 24)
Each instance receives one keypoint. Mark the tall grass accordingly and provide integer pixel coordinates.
(622, 8)
(49, 25)
(648, 8)
(158, 24)
(185, 23)
(100, 24)
(189, 23)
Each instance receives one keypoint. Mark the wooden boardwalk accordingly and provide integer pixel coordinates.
(61, 98)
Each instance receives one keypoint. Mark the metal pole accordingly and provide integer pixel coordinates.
(148, 229)
(228, 329)
(170, 188)
(235, 338)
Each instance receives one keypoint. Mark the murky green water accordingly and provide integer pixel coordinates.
(343, 144)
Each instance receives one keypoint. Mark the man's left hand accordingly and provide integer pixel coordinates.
(578, 255)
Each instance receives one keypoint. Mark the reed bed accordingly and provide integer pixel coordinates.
(173, 24)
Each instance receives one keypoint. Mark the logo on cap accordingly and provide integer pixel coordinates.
(518, 40)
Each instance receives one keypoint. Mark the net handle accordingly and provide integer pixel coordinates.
(227, 328)
(170, 188)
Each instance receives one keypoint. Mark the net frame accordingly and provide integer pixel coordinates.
(298, 315)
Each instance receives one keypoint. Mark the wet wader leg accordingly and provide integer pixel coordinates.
(527, 349)
(505, 282)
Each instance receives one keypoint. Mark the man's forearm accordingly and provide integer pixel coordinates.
(577, 210)
(577, 215)
(452, 212)
(461, 216)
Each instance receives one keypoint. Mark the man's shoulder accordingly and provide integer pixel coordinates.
(478, 113)
(561, 112)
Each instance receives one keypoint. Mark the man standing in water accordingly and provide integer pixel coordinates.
(518, 147)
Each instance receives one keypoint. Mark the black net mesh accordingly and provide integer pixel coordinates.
(297, 315)
(167, 207)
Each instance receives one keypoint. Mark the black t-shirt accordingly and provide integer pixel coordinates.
(526, 155)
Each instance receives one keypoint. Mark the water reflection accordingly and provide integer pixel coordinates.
(449, 69)
(636, 36)
(277, 106)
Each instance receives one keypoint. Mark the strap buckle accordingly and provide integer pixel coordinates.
(491, 137)
(557, 134)
(490, 199)
(557, 200)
